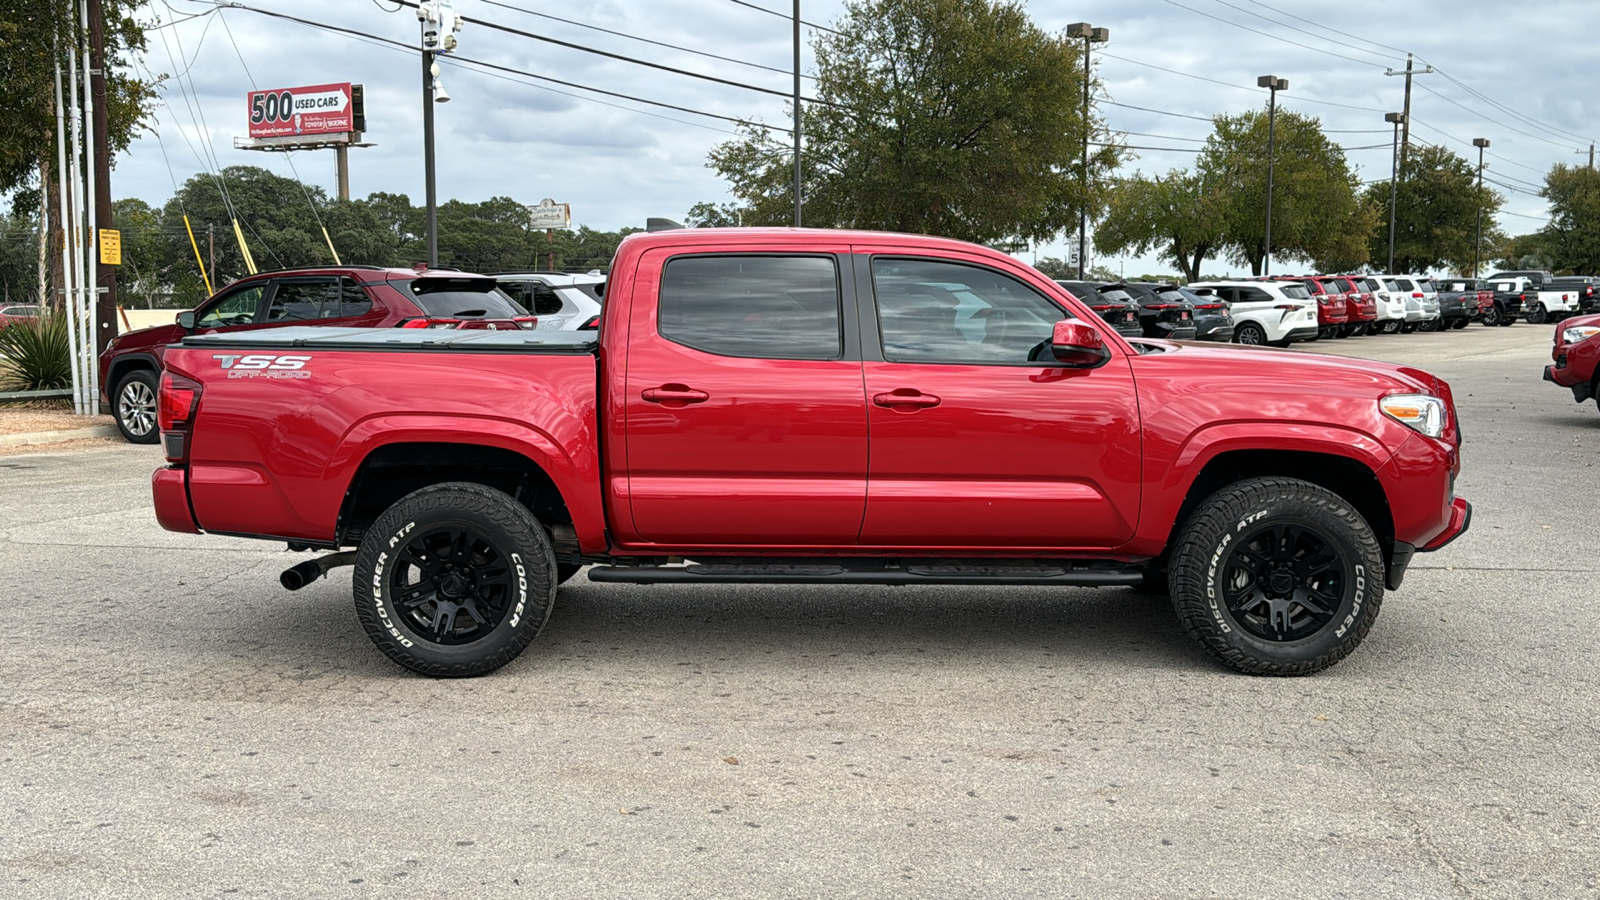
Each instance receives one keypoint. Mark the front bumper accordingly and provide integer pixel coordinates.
(1460, 521)
(170, 491)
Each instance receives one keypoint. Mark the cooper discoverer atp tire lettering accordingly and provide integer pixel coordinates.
(1276, 576)
(454, 580)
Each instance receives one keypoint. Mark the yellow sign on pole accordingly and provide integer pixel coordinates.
(110, 247)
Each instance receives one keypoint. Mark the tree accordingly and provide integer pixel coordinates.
(714, 215)
(951, 117)
(1572, 239)
(1436, 213)
(1524, 251)
(1171, 214)
(1314, 192)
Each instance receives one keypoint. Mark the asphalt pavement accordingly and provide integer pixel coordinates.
(174, 724)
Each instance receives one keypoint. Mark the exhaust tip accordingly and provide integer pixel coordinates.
(301, 575)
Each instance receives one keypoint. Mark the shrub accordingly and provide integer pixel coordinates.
(34, 354)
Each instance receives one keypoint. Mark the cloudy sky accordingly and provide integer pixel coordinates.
(1514, 75)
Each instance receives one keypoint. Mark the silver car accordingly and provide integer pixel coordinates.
(562, 302)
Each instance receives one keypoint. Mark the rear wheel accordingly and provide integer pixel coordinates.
(454, 580)
(1409, 327)
(134, 407)
(1277, 576)
(1536, 314)
(1389, 327)
(1250, 333)
(1492, 315)
(1459, 324)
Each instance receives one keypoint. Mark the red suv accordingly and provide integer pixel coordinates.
(349, 296)
(1360, 306)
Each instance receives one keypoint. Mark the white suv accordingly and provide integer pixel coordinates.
(562, 302)
(1422, 301)
(1267, 312)
(1391, 306)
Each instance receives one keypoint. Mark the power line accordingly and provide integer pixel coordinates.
(1228, 84)
(1305, 32)
(1161, 112)
(634, 37)
(508, 69)
(1487, 118)
(1272, 36)
(782, 15)
(1136, 147)
(1325, 27)
(1509, 110)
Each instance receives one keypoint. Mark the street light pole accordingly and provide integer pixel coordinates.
(1477, 242)
(1397, 119)
(1273, 84)
(797, 113)
(1090, 35)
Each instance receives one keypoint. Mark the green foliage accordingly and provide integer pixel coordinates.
(1173, 214)
(951, 117)
(30, 33)
(1525, 251)
(1572, 239)
(1314, 203)
(19, 259)
(1436, 213)
(34, 354)
(713, 215)
(1053, 267)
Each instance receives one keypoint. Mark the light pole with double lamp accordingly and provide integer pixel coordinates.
(1477, 242)
(1090, 35)
(1273, 84)
(1397, 119)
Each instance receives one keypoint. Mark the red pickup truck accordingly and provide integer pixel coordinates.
(816, 407)
(1577, 357)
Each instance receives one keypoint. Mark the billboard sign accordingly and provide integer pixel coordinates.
(550, 215)
(288, 112)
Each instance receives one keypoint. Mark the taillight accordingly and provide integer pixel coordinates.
(528, 322)
(592, 325)
(430, 323)
(1165, 306)
(1209, 306)
(1417, 295)
(176, 403)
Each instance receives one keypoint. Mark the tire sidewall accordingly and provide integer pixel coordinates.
(150, 380)
(505, 525)
(1208, 544)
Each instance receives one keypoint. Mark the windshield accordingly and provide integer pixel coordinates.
(461, 298)
(1112, 295)
(1171, 296)
(1296, 292)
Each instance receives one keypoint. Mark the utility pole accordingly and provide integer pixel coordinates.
(107, 300)
(1090, 35)
(1273, 84)
(1397, 119)
(439, 26)
(1477, 243)
(1405, 123)
(211, 244)
(797, 113)
(1591, 155)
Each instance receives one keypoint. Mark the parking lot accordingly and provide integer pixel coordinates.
(173, 723)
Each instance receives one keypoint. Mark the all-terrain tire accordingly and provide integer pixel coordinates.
(1252, 538)
(133, 406)
(482, 567)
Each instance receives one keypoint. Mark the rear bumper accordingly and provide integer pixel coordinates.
(170, 489)
(1302, 334)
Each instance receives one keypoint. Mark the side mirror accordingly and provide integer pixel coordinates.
(1077, 346)
(186, 320)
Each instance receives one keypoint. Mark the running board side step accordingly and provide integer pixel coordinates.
(981, 572)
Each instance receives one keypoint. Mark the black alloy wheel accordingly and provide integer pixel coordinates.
(1250, 333)
(1276, 576)
(134, 407)
(454, 580)
(1282, 582)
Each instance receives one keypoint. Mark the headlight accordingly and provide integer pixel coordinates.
(1580, 333)
(1420, 412)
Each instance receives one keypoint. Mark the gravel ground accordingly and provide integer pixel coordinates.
(174, 724)
(23, 421)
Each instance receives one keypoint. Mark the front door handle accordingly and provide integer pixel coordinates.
(675, 393)
(906, 398)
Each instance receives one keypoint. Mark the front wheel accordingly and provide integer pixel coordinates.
(1277, 576)
(454, 580)
(1536, 314)
(135, 407)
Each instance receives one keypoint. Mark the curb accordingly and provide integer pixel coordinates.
(55, 437)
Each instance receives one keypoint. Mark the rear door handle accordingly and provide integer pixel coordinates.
(906, 397)
(675, 393)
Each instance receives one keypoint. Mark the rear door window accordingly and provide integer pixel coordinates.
(535, 296)
(758, 307)
(1296, 292)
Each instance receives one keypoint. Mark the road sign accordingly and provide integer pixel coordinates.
(316, 109)
(550, 214)
(110, 247)
(1072, 255)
